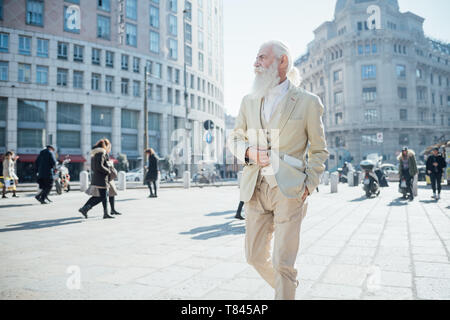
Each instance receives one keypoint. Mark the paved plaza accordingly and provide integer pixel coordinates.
(187, 245)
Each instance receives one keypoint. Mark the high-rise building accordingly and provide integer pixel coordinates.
(72, 72)
(383, 82)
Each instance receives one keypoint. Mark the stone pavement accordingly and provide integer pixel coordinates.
(186, 245)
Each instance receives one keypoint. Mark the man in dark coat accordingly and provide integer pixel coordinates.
(152, 174)
(45, 164)
(435, 167)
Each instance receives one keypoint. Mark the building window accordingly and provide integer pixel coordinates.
(403, 114)
(125, 59)
(131, 37)
(35, 12)
(401, 71)
(109, 59)
(173, 5)
(42, 48)
(4, 42)
(24, 74)
(41, 75)
(403, 140)
(1, 18)
(200, 61)
(131, 9)
(129, 119)
(338, 118)
(157, 70)
(421, 93)
(371, 115)
(402, 93)
(78, 52)
(188, 55)
(103, 5)
(201, 42)
(154, 17)
(169, 74)
(25, 45)
(124, 86)
(61, 77)
(96, 56)
(158, 93)
(177, 76)
(369, 94)
(173, 25)
(63, 50)
(78, 79)
(188, 32)
(109, 84)
(419, 73)
(369, 72)
(68, 139)
(68, 113)
(103, 27)
(95, 82)
(360, 50)
(177, 97)
(173, 49)
(136, 88)
(169, 95)
(4, 70)
(102, 117)
(369, 140)
(337, 76)
(154, 42)
(338, 98)
(136, 64)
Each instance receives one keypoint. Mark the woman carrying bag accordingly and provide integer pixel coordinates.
(101, 170)
(10, 178)
(152, 172)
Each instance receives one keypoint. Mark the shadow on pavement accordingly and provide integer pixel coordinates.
(362, 198)
(398, 202)
(122, 200)
(222, 213)
(41, 224)
(217, 230)
(428, 201)
(15, 205)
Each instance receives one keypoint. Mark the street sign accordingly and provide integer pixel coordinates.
(208, 125)
(208, 137)
(380, 137)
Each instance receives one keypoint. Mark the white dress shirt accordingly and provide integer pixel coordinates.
(273, 98)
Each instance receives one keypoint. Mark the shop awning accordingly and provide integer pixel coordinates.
(76, 158)
(27, 157)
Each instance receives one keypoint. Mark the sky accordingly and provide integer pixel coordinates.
(249, 23)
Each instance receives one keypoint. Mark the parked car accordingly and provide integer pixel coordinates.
(135, 175)
(390, 171)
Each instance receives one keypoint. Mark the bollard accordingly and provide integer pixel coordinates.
(84, 181)
(122, 180)
(334, 180)
(350, 179)
(186, 179)
(415, 185)
(326, 178)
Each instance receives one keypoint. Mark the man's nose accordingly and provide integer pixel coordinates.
(256, 64)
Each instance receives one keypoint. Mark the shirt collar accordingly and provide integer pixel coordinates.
(279, 89)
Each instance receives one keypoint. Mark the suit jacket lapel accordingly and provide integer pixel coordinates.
(287, 111)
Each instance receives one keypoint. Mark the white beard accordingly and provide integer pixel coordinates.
(265, 79)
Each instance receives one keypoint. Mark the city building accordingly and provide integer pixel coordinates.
(73, 71)
(383, 82)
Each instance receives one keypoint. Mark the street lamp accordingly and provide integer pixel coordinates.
(186, 175)
(146, 74)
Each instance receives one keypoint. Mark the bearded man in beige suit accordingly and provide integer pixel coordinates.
(278, 123)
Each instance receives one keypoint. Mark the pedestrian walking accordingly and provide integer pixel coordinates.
(45, 164)
(408, 169)
(239, 210)
(275, 195)
(435, 168)
(152, 172)
(112, 189)
(10, 179)
(98, 190)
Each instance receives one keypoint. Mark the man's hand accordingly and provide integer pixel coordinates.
(258, 155)
(306, 194)
(435, 164)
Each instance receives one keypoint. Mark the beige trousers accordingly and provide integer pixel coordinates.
(270, 214)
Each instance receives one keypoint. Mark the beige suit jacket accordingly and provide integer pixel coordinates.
(299, 129)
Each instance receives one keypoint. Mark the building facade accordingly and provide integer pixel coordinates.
(73, 71)
(383, 82)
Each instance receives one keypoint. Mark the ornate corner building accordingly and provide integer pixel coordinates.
(73, 71)
(384, 83)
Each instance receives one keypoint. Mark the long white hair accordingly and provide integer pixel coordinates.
(280, 49)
